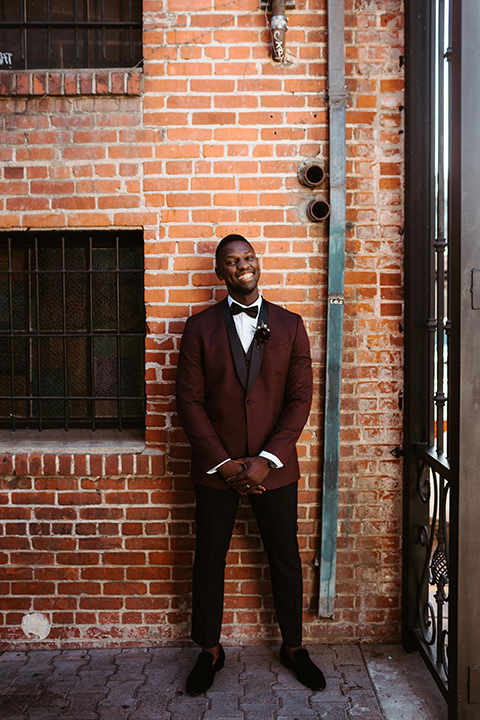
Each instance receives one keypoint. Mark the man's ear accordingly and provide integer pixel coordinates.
(218, 274)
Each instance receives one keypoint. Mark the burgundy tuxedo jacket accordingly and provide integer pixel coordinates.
(229, 412)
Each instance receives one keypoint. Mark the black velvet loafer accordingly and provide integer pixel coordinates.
(203, 674)
(304, 668)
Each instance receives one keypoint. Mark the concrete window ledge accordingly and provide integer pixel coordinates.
(59, 442)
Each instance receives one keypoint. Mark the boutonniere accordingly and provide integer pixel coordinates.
(261, 334)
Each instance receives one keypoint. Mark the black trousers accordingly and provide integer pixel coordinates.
(276, 515)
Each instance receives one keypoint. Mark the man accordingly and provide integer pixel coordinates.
(244, 390)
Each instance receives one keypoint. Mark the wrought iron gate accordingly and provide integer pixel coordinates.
(441, 600)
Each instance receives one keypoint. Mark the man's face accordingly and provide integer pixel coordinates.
(238, 266)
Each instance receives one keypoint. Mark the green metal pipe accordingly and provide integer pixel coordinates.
(336, 275)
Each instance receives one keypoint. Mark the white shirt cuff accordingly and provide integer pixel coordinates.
(271, 457)
(213, 470)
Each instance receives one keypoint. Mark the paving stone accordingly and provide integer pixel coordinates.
(13, 706)
(113, 713)
(43, 713)
(99, 676)
(164, 666)
(331, 711)
(72, 655)
(257, 678)
(184, 707)
(228, 679)
(11, 656)
(332, 693)
(135, 652)
(132, 663)
(12, 714)
(152, 701)
(364, 705)
(294, 704)
(38, 661)
(150, 715)
(82, 706)
(52, 697)
(165, 655)
(68, 665)
(148, 684)
(78, 713)
(348, 654)
(120, 694)
(129, 670)
(60, 686)
(258, 693)
(8, 671)
(261, 650)
(298, 716)
(286, 680)
(25, 685)
(324, 656)
(223, 705)
(356, 677)
(259, 711)
(102, 658)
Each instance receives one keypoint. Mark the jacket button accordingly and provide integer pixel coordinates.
(249, 402)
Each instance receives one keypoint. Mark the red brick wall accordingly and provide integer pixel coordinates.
(206, 141)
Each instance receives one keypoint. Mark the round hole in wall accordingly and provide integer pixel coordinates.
(318, 210)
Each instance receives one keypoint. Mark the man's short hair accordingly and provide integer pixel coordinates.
(228, 239)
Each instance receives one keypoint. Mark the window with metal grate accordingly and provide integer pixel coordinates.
(72, 330)
(43, 34)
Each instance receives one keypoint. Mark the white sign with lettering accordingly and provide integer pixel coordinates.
(6, 58)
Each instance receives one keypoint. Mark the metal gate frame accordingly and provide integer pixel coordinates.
(455, 472)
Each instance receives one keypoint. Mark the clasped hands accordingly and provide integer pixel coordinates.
(246, 475)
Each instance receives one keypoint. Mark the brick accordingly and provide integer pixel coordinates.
(205, 140)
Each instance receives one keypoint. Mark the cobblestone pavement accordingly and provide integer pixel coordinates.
(148, 684)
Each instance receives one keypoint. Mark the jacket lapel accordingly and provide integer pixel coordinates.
(235, 345)
(257, 352)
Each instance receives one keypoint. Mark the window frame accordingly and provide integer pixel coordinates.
(32, 333)
(82, 28)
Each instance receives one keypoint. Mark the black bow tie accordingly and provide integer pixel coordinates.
(237, 309)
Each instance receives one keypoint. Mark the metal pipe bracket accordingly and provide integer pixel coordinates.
(289, 4)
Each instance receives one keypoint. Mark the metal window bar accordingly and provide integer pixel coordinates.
(49, 30)
(12, 349)
(433, 480)
(77, 30)
(39, 355)
(440, 244)
(91, 341)
(104, 44)
(64, 339)
(33, 335)
(130, 33)
(25, 25)
(119, 364)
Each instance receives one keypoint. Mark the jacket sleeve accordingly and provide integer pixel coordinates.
(190, 393)
(298, 399)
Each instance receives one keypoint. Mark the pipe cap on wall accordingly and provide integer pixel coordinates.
(311, 173)
(318, 209)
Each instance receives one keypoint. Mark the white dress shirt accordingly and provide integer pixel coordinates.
(245, 327)
(244, 324)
